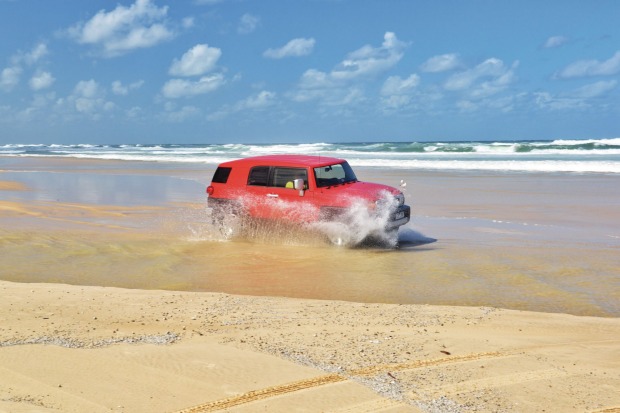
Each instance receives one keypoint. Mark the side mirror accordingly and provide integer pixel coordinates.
(298, 184)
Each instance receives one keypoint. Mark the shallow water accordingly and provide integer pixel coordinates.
(545, 243)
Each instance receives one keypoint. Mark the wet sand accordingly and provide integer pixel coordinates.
(519, 241)
(367, 340)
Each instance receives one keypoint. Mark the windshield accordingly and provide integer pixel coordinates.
(336, 174)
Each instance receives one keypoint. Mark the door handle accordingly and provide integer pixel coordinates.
(272, 195)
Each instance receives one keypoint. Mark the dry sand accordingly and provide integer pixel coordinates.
(96, 349)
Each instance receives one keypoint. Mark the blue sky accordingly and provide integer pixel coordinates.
(218, 71)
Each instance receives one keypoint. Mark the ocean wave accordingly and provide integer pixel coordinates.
(582, 156)
(508, 166)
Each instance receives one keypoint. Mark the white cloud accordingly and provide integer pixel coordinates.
(87, 99)
(248, 24)
(470, 81)
(86, 88)
(555, 41)
(9, 78)
(197, 61)
(36, 54)
(397, 92)
(315, 79)
(545, 100)
(259, 101)
(441, 63)
(134, 112)
(177, 88)
(296, 47)
(344, 84)
(41, 80)
(124, 29)
(463, 80)
(262, 100)
(119, 89)
(583, 68)
(188, 22)
(366, 61)
(596, 89)
(369, 60)
(395, 85)
(175, 115)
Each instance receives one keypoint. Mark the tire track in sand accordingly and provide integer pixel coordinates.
(265, 393)
(268, 392)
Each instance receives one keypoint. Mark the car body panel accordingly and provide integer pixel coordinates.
(262, 187)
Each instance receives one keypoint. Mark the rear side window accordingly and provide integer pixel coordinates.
(284, 177)
(221, 175)
(259, 176)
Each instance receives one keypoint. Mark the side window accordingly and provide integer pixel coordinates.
(221, 175)
(284, 177)
(259, 176)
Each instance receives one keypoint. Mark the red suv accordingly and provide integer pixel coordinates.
(313, 190)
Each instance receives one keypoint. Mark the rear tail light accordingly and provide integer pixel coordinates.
(210, 190)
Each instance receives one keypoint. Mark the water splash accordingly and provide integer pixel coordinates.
(358, 225)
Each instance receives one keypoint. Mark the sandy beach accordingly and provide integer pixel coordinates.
(117, 296)
(76, 349)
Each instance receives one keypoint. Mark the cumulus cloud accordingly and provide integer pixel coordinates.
(369, 60)
(462, 80)
(583, 68)
(41, 80)
(87, 89)
(188, 22)
(177, 115)
(178, 88)
(488, 78)
(547, 101)
(119, 89)
(197, 61)
(259, 101)
(396, 92)
(341, 86)
(366, 61)
(87, 99)
(248, 24)
(395, 85)
(34, 56)
(596, 89)
(555, 41)
(295, 48)
(9, 78)
(441, 63)
(256, 102)
(124, 29)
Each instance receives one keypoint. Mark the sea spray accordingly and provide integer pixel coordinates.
(358, 225)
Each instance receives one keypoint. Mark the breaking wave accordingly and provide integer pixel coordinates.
(581, 156)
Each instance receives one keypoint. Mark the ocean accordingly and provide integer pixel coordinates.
(578, 156)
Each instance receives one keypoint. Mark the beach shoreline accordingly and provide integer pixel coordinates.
(161, 316)
(538, 242)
